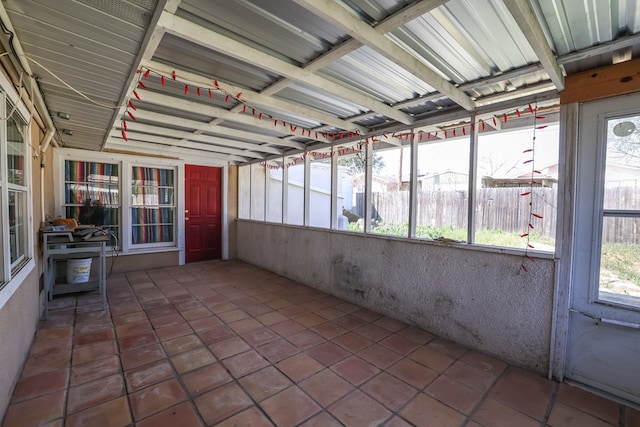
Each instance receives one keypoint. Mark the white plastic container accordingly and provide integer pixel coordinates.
(78, 270)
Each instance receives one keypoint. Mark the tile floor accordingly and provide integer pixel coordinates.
(229, 344)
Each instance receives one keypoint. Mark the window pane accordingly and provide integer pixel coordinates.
(295, 192)
(507, 169)
(620, 261)
(92, 194)
(153, 205)
(442, 189)
(257, 191)
(351, 190)
(622, 170)
(16, 129)
(17, 225)
(244, 192)
(320, 190)
(274, 201)
(389, 195)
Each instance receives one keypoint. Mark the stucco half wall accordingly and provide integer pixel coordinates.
(477, 298)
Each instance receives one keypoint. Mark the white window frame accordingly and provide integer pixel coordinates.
(10, 277)
(125, 163)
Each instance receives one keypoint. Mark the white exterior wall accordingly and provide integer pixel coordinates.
(478, 298)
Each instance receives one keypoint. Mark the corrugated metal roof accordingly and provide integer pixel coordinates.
(305, 73)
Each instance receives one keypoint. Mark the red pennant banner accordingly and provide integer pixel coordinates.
(124, 135)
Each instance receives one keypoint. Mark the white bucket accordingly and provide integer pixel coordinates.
(78, 270)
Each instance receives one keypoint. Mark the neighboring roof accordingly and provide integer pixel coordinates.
(288, 75)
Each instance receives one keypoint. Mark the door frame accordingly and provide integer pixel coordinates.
(566, 243)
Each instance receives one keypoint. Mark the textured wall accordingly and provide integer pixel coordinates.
(18, 320)
(476, 298)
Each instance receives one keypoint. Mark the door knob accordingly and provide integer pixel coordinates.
(186, 219)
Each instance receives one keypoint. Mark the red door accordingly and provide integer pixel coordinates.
(203, 213)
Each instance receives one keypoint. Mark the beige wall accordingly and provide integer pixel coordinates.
(19, 316)
(126, 263)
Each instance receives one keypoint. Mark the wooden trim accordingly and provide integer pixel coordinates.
(603, 82)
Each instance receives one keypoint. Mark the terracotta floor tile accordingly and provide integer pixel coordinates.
(35, 412)
(161, 311)
(412, 373)
(173, 331)
(359, 410)
(194, 359)
(222, 403)
(205, 379)
(277, 350)
(233, 315)
(229, 347)
(372, 332)
(366, 315)
(53, 334)
(260, 337)
(310, 320)
(328, 353)
(90, 371)
(454, 394)
(257, 309)
(323, 419)
(287, 328)
(289, 407)
(447, 347)
(471, 376)
(41, 384)
(355, 370)
(95, 392)
(399, 344)
(182, 344)
(146, 375)
(390, 324)
(168, 320)
(133, 328)
(379, 356)
(246, 325)
(433, 359)
(183, 415)
(132, 341)
(329, 330)
(424, 410)
(399, 422)
(299, 367)
(589, 403)
(566, 416)
(215, 334)
(265, 383)
(114, 413)
(326, 387)
(492, 413)
(271, 318)
(352, 342)
(204, 323)
(631, 417)
(94, 326)
(249, 417)
(389, 391)
(245, 363)
(330, 313)
(305, 339)
(484, 362)
(524, 391)
(156, 398)
(95, 337)
(141, 356)
(199, 313)
(93, 315)
(89, 353)
(417, 335)
(130, 318)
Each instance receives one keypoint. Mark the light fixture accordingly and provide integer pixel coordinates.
(68, 132)
(623, 129)
(65, 116)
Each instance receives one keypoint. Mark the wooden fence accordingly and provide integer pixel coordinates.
(502, 209)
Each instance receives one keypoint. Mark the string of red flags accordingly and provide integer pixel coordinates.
(317, 155)
(528, 195)
(218, 89)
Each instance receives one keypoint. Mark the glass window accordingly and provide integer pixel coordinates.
(517, 188)
(442, 188)
(351, 181)
(258, 176)
(153, 205)
(320, 190)
(390, 192)
(620, 251)
(92, 194)
(274, 191)
(295, 191)
(14, 186)
(244, 192)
